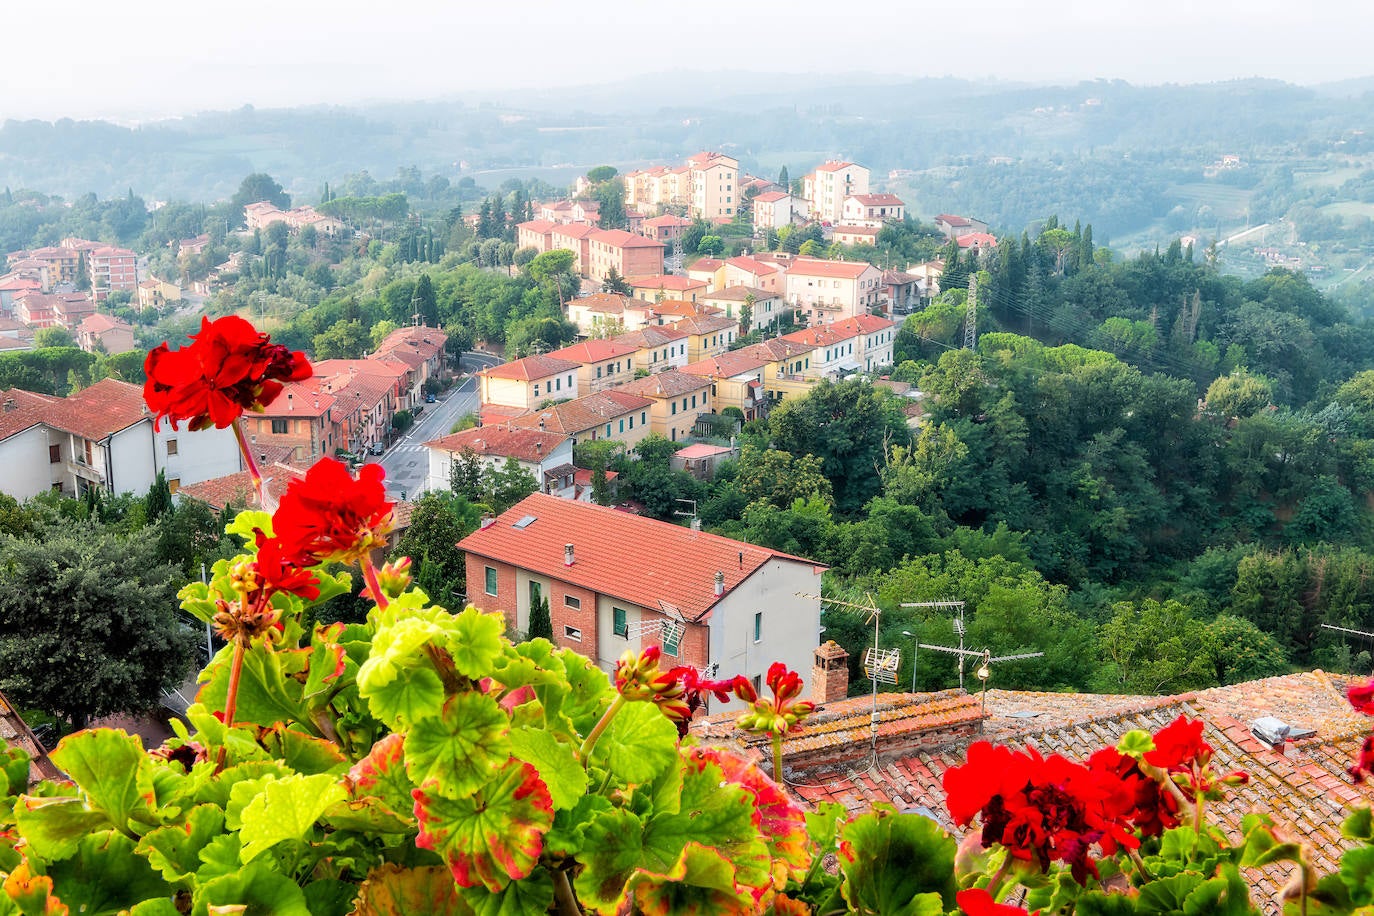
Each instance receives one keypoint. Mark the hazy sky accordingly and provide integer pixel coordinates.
(85, 58)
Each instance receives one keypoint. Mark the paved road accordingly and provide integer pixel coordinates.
(407, 462)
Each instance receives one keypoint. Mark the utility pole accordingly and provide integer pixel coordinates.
(971, 314)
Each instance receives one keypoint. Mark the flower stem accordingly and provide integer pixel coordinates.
(563, 894)
(584, 753)
(1139, 864)
(231, 696)
(777, 759)
(375, 587)
(249, 461)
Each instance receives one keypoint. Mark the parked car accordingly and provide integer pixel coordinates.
(376, 448)
(429, 399)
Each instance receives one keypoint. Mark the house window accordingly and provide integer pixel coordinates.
(173, 484)
(491, 581)
(622, 426)
(536, 390)
(572, 602)
(54, 454)
(620, 622)
(281, 427)
(608, 429)
(171, 447)
(90, 453)
(675, 407)
(643, 417)
(672, 642)
(573, 633)
(758, 625)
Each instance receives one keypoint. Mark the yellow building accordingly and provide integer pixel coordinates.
(679, 399)
(614, 414)
(527, 383)
(708, 335)
(736, 378)
(715, 186)
(600, 363)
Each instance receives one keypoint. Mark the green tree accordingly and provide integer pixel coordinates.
(710, 245)
(258, 187)
(541, 624)
(780, 478)
(438, 521)
(343, 340)
(159, 498)
(508, 485)
(615, 283)
(1240, 394)
(601, 173)
(465, 475)
(1153, 647)
(53, 337)
(88, 625)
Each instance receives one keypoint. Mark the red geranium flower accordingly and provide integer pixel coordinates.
(1366, 762)
(781, 714)
(1179, 745)
(332, 516)
(1130, 795)
(229, 368)
(279, 574)
(978, 902)
(1361, 696)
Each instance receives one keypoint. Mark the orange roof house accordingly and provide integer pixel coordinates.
(702, 598)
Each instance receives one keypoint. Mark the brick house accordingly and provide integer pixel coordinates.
(624, 252)
(616, 581)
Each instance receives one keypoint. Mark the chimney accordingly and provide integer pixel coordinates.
(720, 583)
(9, 404)
(567, 554)
(539, 448)
(290, 402)
(830, 673)
(487, 522)
(696, 523)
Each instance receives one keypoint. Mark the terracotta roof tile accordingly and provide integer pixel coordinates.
(727, 365)
(594, 351)
(581, 414)
(705, 324)
(816, 267)
(530, 368)
(668, 384)
(527, 445)
(670, 563)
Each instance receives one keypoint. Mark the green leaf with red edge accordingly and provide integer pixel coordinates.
(268, 690)
(781, 821)
(329, 665)
(105, 876)
(53, 827)
(382, 774)
(304, 753)
(639, 744)
(286, 809)
(14, 770)
(175, 850)
(106, 763)
(395, 891)
(531, 895)
(613, 850)
(556, 762)
(492, 837)
(1262, 847)
(23, 893)
(255, 886)
(475, 643)
(892, 861)
(700, 883)
(458, 750)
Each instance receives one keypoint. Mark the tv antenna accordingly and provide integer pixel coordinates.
(945, 604)
(879, 664)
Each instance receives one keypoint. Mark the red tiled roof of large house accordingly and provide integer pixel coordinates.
(1303, 786)
(20, 410)
(237, 489)
(681, 308)
(652, 336)
(978, 240)
(416, 338)
(530, 368)
(753, 265)
(707, 264)
(576, 231)
(878, 200)
(727, 365)
(572, 417)
(666, 282)
(666, 220)
(705, 324)
(769, 197)
(816, 267)
(834, 165)
(594, 351)
(13, 283)
(668, 384)
(862, 324)
(706, 159)
(869, 232)
(99, 322)
(619, 238)
(951, 220)
(537, 225)
(333, 368)
(528, 445)
(741, 293)
(100, 410)
(669, 563)
(306, 398)
(821, 335)
(776, 348)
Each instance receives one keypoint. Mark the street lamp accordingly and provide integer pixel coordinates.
(915, 647)
(983, 673)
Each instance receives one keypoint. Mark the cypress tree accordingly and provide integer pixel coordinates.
(541, 624)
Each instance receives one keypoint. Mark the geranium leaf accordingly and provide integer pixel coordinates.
(53, 827)
(1359, 825)
(161, 906)
(255, 886)
(395, 891)
(368, 815)
(780, 820)
(1166, 895)
(105, 876)
(329, 664)
(700, 883)
(1357, 873)
(640, 743)
(614, 848)
(219, 857)
(565, 839)
(458, 750)
(105, 763)
(23, 893)
(588, 693)
(175, 851)
(1136, 743)
(716, 813)
(287, 809)
(475, 643)
(890, 860)
(403, 701)
(305, 753)
(556, 762)
(330, 897)
(492, 837)
(246, 525)
(382, 773)
(268, 690)
(530, 895)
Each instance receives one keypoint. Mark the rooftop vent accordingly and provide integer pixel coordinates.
(720, 584)
(1270, 730)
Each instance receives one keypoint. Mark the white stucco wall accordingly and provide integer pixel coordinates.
(24, 457)
(201, 455)
(132, 462)
(790, 628)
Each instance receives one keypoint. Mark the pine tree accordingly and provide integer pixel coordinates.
(159, 499)
(541, 624)
(783, 178)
